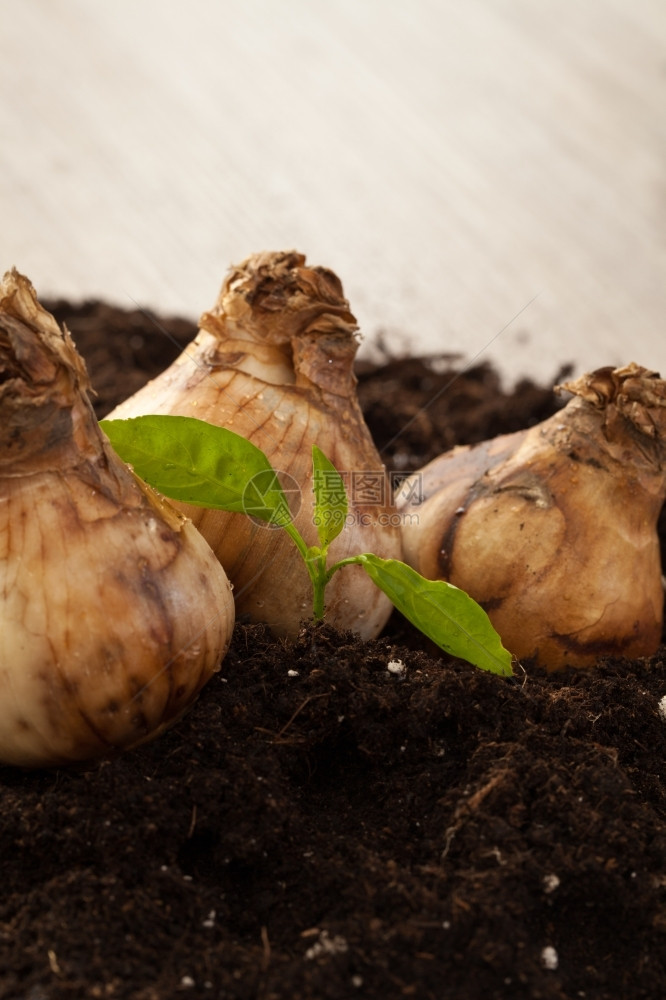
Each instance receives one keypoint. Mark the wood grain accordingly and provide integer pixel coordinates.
(467, 169)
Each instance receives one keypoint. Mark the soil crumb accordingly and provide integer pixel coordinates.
(322, 827)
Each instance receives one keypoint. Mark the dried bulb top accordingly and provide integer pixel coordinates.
(274, 299)
(35, 353)
(44, 406)
(631, 403)
(42, 379)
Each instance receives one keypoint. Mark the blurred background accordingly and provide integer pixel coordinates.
(487, 177)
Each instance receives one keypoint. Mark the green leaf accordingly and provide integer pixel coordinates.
(441, 611)
(330, 506)
(193, 461)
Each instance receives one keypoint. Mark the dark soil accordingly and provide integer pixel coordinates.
(320, 827)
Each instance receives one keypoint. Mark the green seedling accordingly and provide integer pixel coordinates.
(190, 460)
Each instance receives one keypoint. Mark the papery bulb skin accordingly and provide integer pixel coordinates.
(113, 610)
(273, 361)
(553, 530)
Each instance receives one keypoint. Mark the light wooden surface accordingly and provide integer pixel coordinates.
(466, 166)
